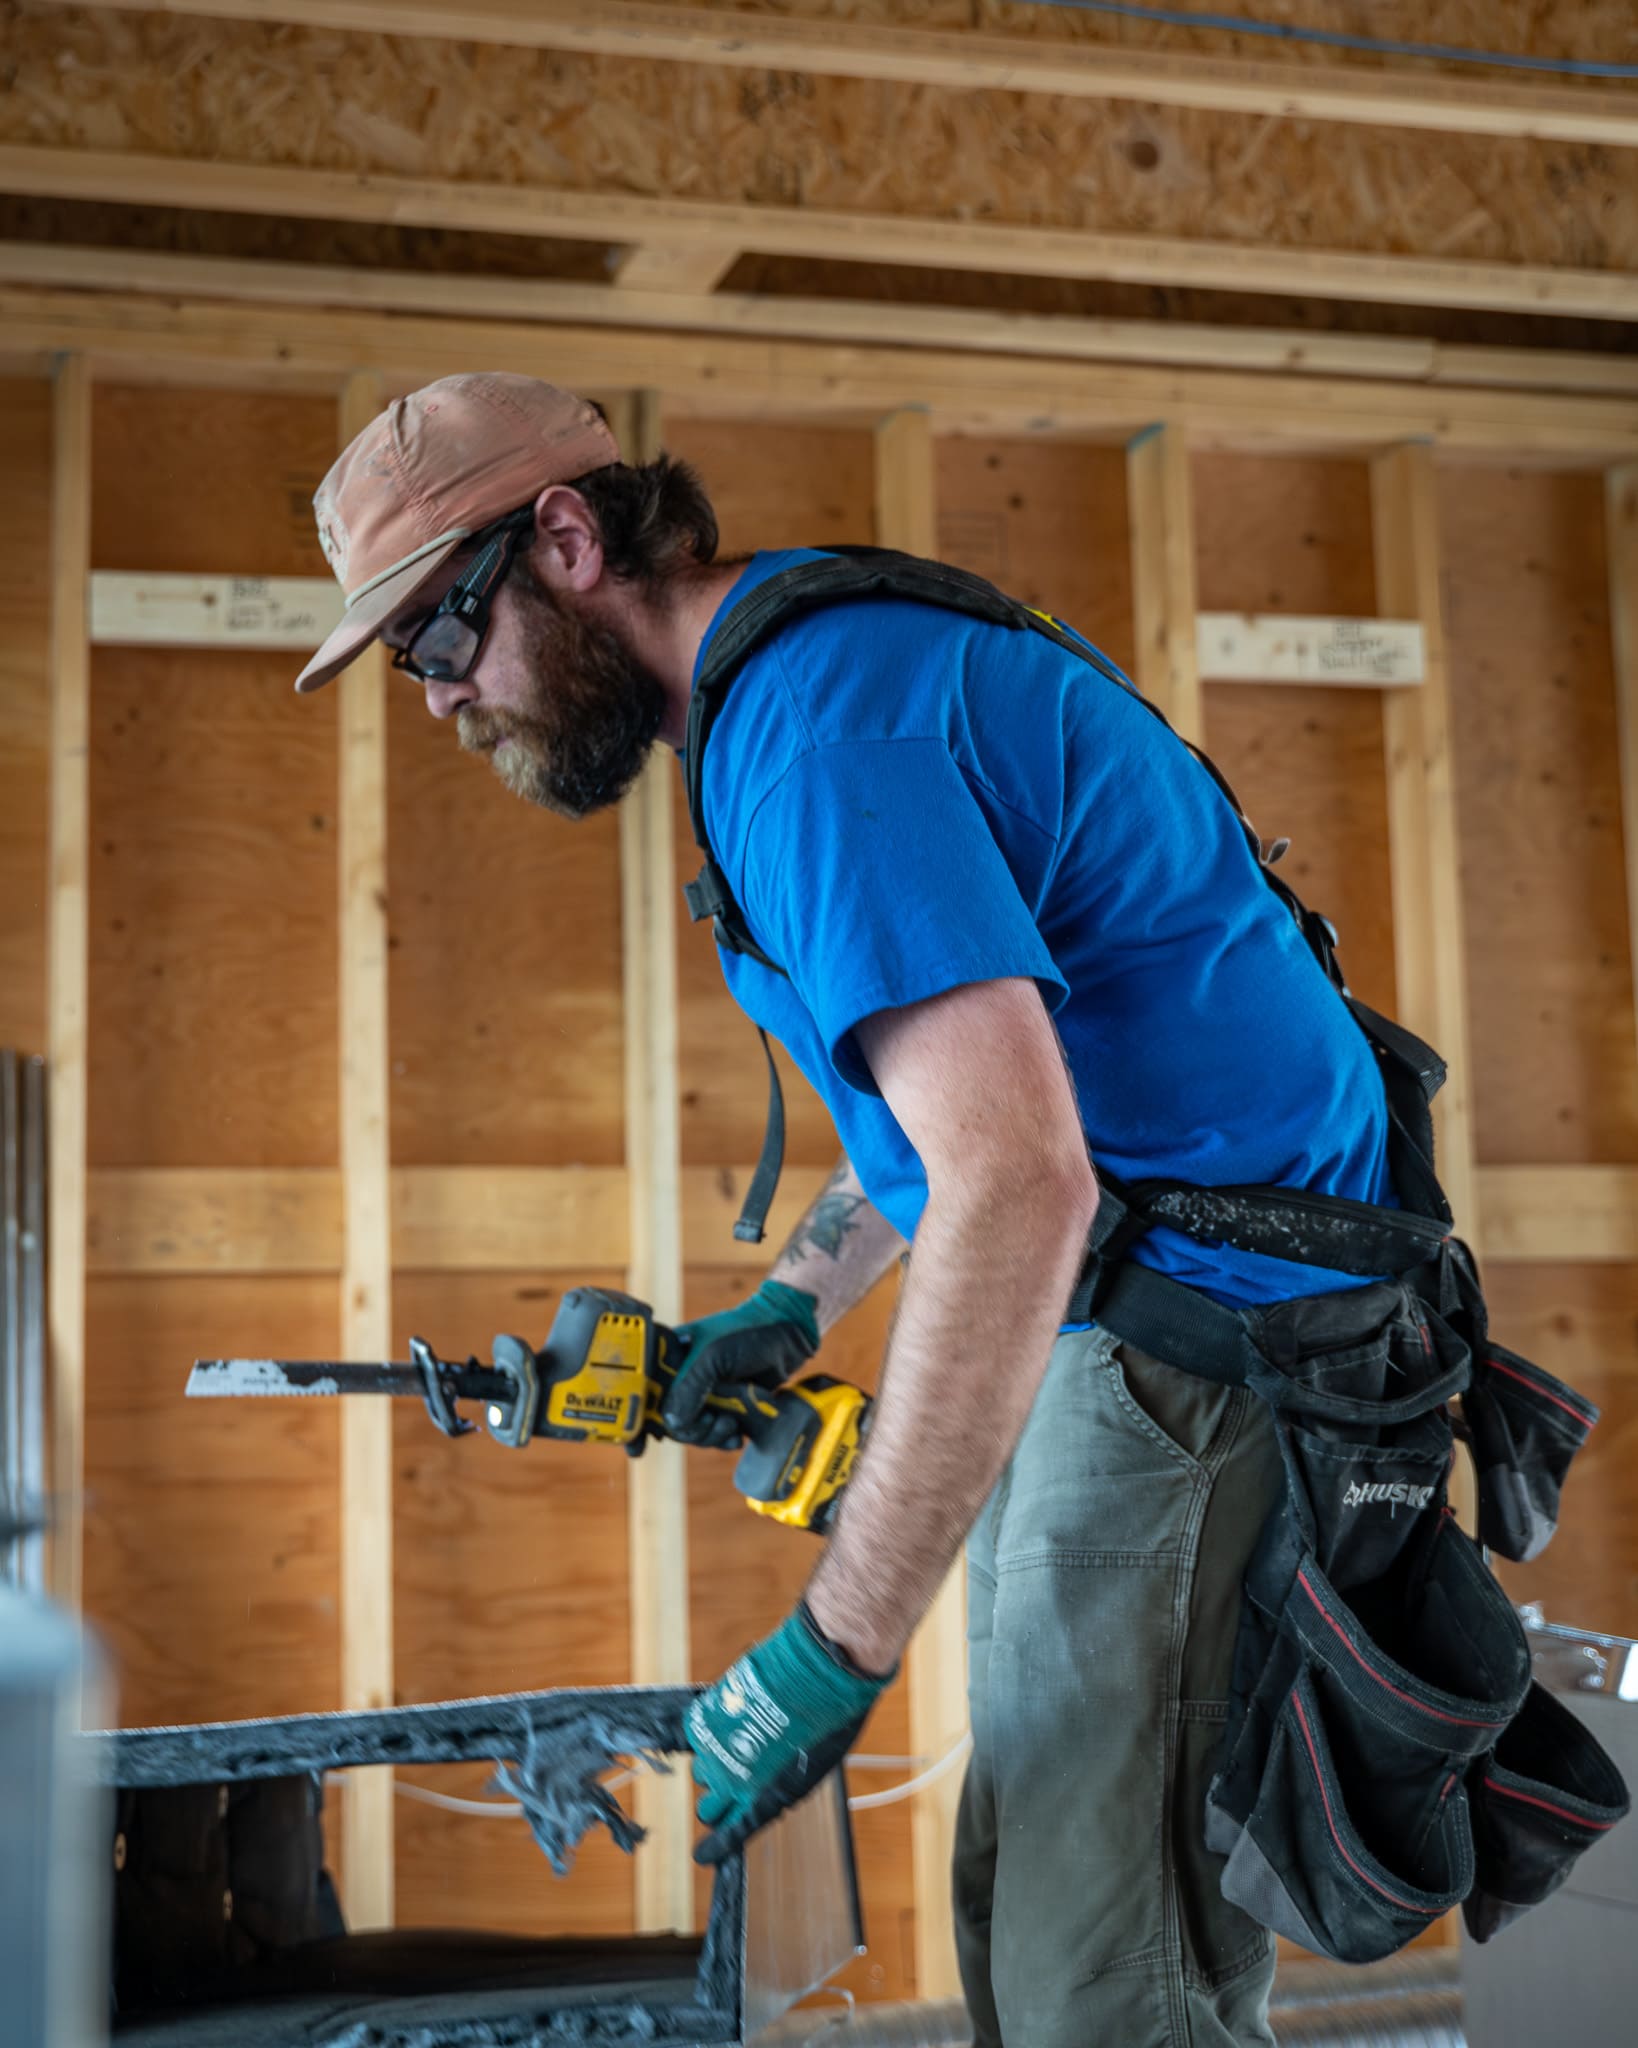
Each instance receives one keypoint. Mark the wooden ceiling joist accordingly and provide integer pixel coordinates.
(971, 60)
(135, 178)
(1292, 351)
(731, 376)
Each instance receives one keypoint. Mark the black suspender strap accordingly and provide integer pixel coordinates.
(754, 1210)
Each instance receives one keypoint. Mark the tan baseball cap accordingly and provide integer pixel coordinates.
(431, 471)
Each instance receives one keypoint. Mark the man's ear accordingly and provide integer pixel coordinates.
(568, 548)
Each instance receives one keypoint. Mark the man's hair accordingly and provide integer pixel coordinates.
(654, 517)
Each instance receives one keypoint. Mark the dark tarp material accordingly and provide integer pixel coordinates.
(288, 1979)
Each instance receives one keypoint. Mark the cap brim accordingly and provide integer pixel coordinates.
(363, 621)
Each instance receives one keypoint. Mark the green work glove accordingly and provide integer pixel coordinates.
(765, 1734)
(760, 1343)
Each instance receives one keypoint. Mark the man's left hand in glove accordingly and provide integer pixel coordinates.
(766, 1733)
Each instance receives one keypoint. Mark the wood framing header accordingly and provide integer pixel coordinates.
(186, 342)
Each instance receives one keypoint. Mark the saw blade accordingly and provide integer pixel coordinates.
(242, 1378)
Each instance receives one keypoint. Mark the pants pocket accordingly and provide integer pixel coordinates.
(1301, 1864)
(1525, 1427)
(1545, 1794)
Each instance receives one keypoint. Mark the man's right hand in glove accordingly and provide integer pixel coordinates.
(759, 1343)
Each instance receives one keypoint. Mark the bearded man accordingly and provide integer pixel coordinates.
(1017, 927)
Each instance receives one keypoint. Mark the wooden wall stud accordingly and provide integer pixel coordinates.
(658, 1498)
(1160, 521)
(68, 963)
(366, 1278)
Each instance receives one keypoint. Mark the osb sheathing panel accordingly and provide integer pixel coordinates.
(211, 1535)
(509, 1573)
(504, 964)
(25, 708)
(1581, 1322)
(254, 93)
(1594, 30)
(1539, 803)
(213, 795)
(1295, 536)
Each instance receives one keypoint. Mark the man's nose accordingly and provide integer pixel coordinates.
(445, 699)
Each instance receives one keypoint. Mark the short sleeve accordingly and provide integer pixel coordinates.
(875, 879)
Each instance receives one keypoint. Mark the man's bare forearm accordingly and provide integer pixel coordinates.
(840, 1249)
(993, 1268)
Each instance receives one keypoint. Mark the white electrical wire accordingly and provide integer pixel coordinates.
(911, 1786)
(509, 1809)
(486, 1809)
(489, 1809)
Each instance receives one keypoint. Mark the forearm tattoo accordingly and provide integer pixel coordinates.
(829, 1220)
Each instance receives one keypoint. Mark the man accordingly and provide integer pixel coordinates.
(1018, 924)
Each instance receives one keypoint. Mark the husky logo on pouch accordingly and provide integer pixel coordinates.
(1398, 1494)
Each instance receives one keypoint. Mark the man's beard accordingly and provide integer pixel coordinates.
(593, 715)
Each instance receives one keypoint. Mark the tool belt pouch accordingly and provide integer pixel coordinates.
(1524, 1427)
(1543, 1795)
(1377, 1658)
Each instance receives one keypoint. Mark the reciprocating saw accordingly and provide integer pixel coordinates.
(601, 1377)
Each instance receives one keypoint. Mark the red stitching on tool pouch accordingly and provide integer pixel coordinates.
(1547, 1806)
(1457, 1720)
(1330, 1821)
(1536, 1387)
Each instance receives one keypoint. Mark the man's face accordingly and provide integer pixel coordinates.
(564, 712)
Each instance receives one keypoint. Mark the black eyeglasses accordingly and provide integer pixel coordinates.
(444, 646)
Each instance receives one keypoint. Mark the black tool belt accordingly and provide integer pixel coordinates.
(1386, 1755)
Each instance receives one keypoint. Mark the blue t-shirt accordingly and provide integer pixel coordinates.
(904, 800)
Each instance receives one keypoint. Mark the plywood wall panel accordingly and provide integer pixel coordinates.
(510, 1574)
(211, 1540)
(484, 1871)
(747, 1575)
(1295, 536)
(1045, 521)
(25, 706)
(504, 964)
(209, 482)
(213, 791)
(212, 943)
(777, 487)
(1581, 1322)
(510, 1566)
(1549, 969)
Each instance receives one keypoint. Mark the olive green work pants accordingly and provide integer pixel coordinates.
(1103, 1585)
